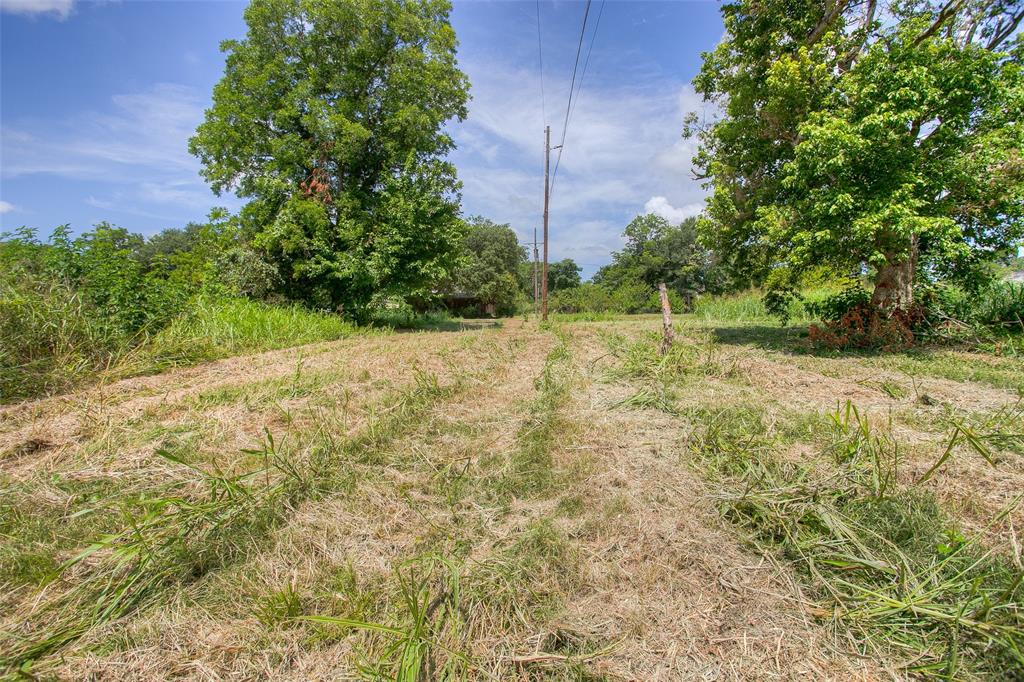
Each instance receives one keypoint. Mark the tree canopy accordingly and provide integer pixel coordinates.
(657, 251)
(330, 119)
(563, 274)
(491, 258)
(864, 136)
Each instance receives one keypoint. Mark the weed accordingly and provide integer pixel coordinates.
(889, 568)
(278, 607)
(416, 646)
(983, 435)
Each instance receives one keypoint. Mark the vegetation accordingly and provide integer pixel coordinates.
(490, 269)
(837, 497)
(401, 523)
(108, 301)
(351, 198)
(656, 252)
(864, 135)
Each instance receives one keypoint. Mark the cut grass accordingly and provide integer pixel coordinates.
(887, 566)
(171, 535)
(529, 470)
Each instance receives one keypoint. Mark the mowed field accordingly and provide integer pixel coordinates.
(522, 502)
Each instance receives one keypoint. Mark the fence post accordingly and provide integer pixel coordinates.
(668, 334)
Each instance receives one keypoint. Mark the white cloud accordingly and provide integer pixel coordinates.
(6, 207)
(660, 206)
(60, 9)
(139, 145)
(624, 146)
(148, 129)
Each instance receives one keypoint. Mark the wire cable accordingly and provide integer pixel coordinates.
(540, 59)
(572, 89)
(586, 63)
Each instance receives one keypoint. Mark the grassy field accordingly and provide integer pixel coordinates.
(523, 502)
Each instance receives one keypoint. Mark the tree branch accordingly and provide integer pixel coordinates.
(945, 14)
(831, 14)
(1003, 32)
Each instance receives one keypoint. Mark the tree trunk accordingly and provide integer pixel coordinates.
(894, 282)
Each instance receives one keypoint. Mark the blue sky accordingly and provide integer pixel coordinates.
(98, 99)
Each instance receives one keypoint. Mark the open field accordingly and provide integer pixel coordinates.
(523, 502)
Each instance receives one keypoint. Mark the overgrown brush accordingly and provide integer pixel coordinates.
(888, 567)
(73, 308)
(49, 340)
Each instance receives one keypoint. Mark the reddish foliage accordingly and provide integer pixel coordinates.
(864, 326)
(317, 186)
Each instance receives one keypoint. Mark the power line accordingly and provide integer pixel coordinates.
(586, 63)
(572, 85)
(540, 60)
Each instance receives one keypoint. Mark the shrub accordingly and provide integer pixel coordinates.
(675, 301)
(1001, 304)
(834, 308)
(245, 273)
(632, 297)
(586, 298)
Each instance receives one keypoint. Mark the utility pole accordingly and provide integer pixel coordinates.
(544, 277)
(536, 282)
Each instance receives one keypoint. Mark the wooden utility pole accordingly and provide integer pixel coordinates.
(544, 276)
(536, 282)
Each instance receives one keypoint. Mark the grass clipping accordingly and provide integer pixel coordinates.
(887, 568)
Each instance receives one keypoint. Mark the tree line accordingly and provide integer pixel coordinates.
(879, 141)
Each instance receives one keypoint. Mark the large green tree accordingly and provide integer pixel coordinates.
(330, 118)
(491, 259)
(657, 251)
(866, 137)
(563, 274)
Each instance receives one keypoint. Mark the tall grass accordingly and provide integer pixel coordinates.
(748, 306)
(220, 328)
(49, 341)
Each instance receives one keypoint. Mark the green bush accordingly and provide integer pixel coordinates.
(632, 297)
(675, 301)
(1001, 304)
(833, 308)
(586, 298)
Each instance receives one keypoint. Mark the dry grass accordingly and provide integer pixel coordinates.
(517, 504)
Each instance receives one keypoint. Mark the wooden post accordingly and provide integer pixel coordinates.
(536, 282)
(547, 190)
(668, 334)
